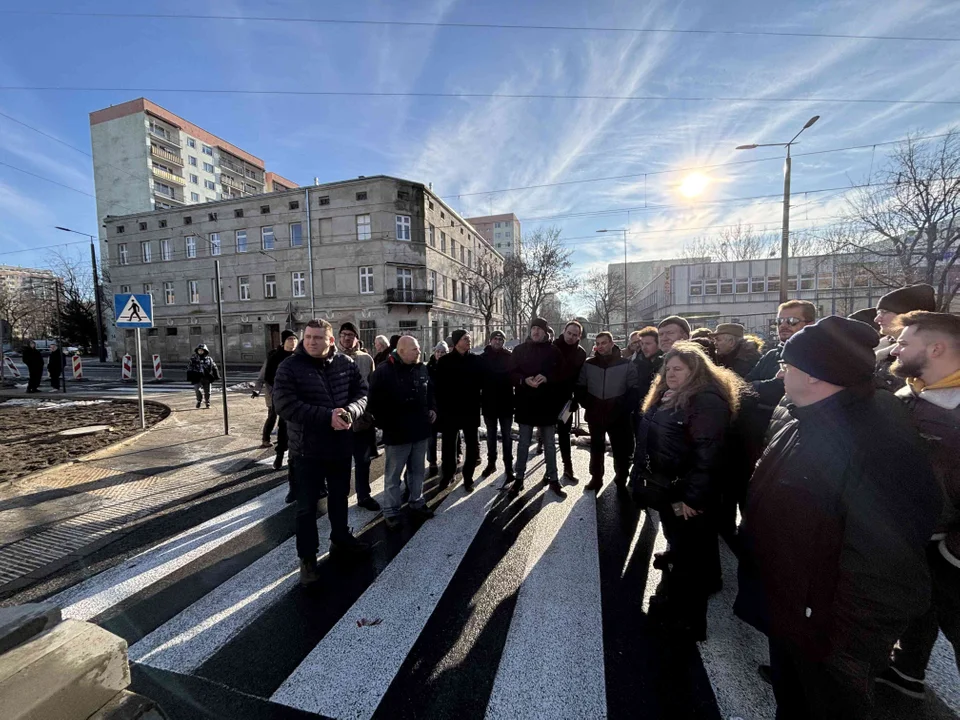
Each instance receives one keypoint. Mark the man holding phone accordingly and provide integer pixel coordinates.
(320, 393)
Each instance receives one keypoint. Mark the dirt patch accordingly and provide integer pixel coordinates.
(30, 428)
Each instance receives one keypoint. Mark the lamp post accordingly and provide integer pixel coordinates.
(785, 237)
(101, 350)
(624, 276)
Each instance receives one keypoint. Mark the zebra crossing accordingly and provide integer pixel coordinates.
(496, 608)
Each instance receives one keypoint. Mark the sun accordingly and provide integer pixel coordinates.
(694, 184)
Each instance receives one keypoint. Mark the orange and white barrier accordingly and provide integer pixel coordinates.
(126, 368)
(10, 366)
(157, 369)
(77, 368)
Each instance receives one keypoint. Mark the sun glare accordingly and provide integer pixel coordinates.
(694, 184)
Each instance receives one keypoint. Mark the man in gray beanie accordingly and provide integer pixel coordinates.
(833, 563)
(889, 308)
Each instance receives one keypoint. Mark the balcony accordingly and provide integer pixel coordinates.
(165, 136)
(404, 296)
(168, 177)
(231, 166)
(163, 154)
(168, 198)
(229, 182)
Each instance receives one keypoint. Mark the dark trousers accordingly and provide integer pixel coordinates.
(450, 441)
(362, 443)
(55, 381)
(505, 422)
(621, 443)
(696, 560)
(838, 688)
(917, 641)
(563, 440)
(432, 448)
(312, 477)
(36, 375)
(274, 419)
(203, 386)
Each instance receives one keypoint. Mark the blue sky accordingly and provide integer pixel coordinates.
(468, 147)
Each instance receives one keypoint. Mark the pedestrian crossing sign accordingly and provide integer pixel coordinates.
(132, 310)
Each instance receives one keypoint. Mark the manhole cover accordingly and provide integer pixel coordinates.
(85, 430)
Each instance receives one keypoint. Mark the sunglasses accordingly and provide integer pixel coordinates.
(789, 321)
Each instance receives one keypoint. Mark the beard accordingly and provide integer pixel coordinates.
(909, 368)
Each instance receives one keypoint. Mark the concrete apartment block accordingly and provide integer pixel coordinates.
(501, 231)
(387, 255)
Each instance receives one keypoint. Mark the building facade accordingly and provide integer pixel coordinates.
(502, 232)
(384, 253)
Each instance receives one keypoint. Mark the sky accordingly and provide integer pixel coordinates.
(705, 93)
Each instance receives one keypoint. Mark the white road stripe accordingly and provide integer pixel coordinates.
(348, 672)
(94, 595)
(186, 641)
(552, 664)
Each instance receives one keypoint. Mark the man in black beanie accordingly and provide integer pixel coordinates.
(458, 383)
(889, 308)
(834, 532)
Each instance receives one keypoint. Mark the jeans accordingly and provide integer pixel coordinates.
(505, 421)
(449, 450)
(205, 395)
(917, 641)
(311, 476)
(548, 434)
(621, 443)
(409, 456)
(362, 444)
(563, 440)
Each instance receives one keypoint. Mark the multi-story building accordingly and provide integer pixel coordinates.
(384, 253)
(502, 232)
(28, 295)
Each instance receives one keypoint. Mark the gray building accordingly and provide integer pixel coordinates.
(502, 232)
(384, 253)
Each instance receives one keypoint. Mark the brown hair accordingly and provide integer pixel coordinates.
(649, 331)
(756, 340)
(703, 373)
(605, 333)
(701, 333)
(808, 308)
(320, 325)
(574, 322)
(944, 323)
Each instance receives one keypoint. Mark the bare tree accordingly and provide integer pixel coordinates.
(603, 295)
(17, 310)
(487, 280)
(544, 269)
(904, 224)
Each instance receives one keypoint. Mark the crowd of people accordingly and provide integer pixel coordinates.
(827, 464)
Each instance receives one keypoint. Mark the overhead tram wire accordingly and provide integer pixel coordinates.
(483, 26)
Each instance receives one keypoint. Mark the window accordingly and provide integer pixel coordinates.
(209, 184)
(757, 285)
(193, 290)
(296, 235)
(806, 281)
(122, 253)
(366, 281)
(238, 213)
(243, 283)
(120, 229)
(431, 204)
(368, 330)
(166, 251)
(710, 287)
(726, 287)
(266, 237)
(196, 330)
(269, 286)
(246, 328)
(187, 220)
(294, 205)
(241, 240)
(324, 200)
(328, 281)
(191, 246)
(194, 197)
(193, 160)
(432, 237)
(299, 284)
(148, 288)
(162, 223)
(169, 297)
(406, 326)
(442, 216)
(362, 195)
(403, 195)
(171, 331)
(195, 179)
(463, 254)
(143, 226)
(453, 248)
(432, 281)
(207, 150)
(403, 227)
(404, 278)
(124, 288)
(208, 167)
(214, 243)
(191, 142)
(743, 285)
(453, 287)
(696, 287)
(151, 332)
(264, 209)
(145, 253)
(443, 241)
(469, 258)
(824, 282)
(773, 283)
(212, 217)
(363, 227)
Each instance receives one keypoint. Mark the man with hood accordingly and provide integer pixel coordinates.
(268, 373)
(894, 303)
(364, 440)
(497, 403)
(202, 371)
(733, 351)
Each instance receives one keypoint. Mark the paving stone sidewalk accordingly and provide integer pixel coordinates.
(53, 517)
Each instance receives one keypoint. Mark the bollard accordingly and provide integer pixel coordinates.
(126, 369)
(77, 368)
(157, 369)
(11, 367)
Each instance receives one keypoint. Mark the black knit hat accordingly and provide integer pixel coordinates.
(910, 298)
(497, 333)
(456, 336)
(540, 323)
(286, 334)
(868, 316)
(835, 349)
(349, 327)
(675, 320)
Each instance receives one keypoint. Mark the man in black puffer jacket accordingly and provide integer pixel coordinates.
(320, 393)
(459, 379)
(268, 374)
(573, 358)
(497, 403)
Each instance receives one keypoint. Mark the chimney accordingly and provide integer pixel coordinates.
(430, 186)
(316, 181)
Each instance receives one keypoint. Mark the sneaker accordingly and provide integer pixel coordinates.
(349, 545)
(433, 471)
(557, 490)
(490, 469)
(308, 571)
(422, 512)
(266, 444)
(391, 522)
(903, 684)
(569, 478)
(595, 484)
(369, 504)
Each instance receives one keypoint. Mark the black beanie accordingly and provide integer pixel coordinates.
(286, 334)
(910, 298)
(675, 320)
(349, 327)
(540, 323)
(868, 316)
(835, 349)
(456, 336)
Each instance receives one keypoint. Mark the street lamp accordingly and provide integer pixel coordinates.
(101, 350)
(624, 276)
(785, 238)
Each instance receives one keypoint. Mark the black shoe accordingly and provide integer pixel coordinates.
(308, 571)
(423, 512)
(516, 488)
(278, 461)
(595, 484)
(444, 483)
(198, 404)
(291, 497)
(569, 478)
(349, 545)
(716, 586)
(557, 490)
(620, 481)
(207, 405)
(369, 504)
(490, 469)
(433, 471)
(662, 560)
(468, 485)
(539, 450)
(766, 673)
(903, 684)
(392, 523)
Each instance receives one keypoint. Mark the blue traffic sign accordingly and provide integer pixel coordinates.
(132, 310)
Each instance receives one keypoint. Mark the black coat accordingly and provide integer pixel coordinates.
(764, 378)
(56, 363)
(400, 401)
(32, 359)
(684, 447)
(497, 397)
(647, 369)
(838, 514)
(459, 382)
(274, 358)
(537, 406)
(565, 385)
(306, 390)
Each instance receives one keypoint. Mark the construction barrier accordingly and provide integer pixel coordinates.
(10, 366)
(126, 368)
(77, 368)
(157, 370)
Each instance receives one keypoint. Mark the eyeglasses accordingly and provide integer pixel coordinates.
(789, 321)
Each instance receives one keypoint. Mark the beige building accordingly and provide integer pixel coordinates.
(502, 232)
(384, 253)
(31, 294)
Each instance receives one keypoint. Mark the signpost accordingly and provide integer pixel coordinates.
(135, 311)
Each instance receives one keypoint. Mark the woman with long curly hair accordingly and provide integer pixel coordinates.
(686, 417)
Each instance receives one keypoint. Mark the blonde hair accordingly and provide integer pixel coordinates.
(703, 373)
(758, 342)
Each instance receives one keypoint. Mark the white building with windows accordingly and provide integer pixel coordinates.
(500, 231)
(384, 253)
